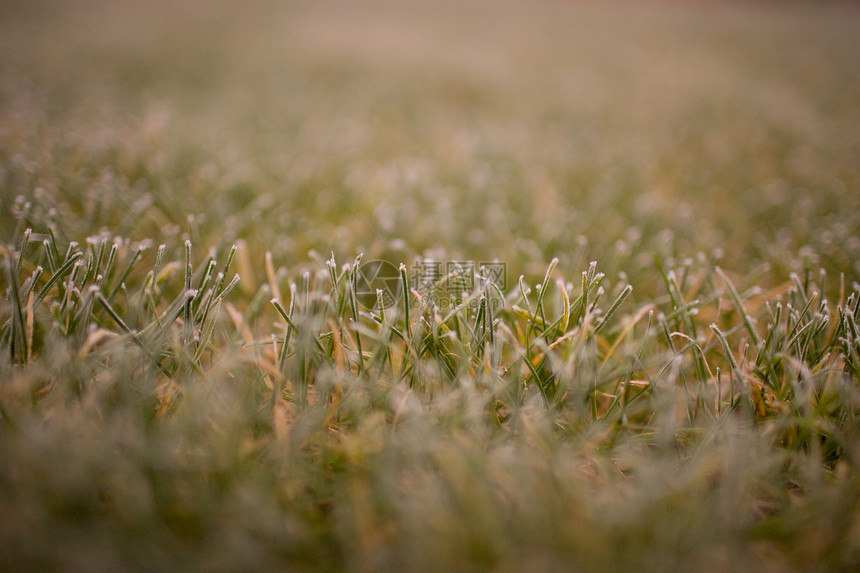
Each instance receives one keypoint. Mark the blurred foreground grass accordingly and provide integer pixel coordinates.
(155, 414)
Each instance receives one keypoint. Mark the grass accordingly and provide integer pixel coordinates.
(193, 375)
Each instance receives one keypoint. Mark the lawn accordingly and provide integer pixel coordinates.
(466, 286)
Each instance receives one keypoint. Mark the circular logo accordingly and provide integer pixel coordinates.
(376, 276)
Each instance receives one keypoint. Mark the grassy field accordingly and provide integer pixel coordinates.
(618, 330)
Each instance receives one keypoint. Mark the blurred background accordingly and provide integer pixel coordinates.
(517, 131)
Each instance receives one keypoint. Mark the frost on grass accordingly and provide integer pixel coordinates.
(672, 383)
